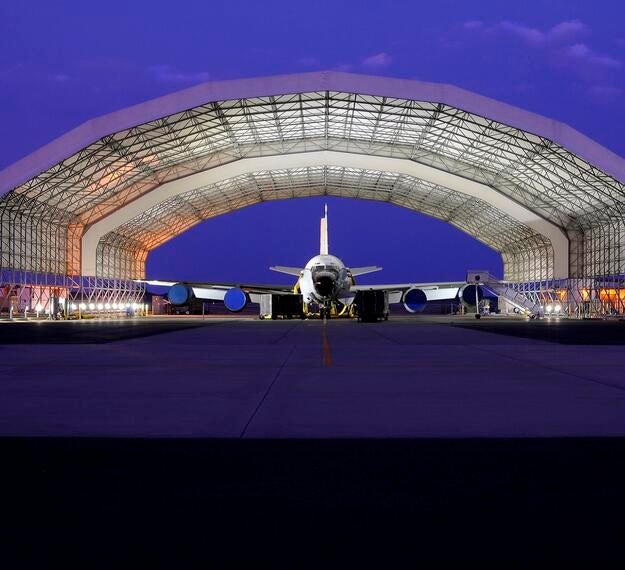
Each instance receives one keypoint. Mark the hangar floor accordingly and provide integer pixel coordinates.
(425, 439)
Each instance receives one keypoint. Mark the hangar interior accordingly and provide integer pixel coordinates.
(79, 216)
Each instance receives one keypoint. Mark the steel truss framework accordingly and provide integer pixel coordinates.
(43, 218)
(123, 252)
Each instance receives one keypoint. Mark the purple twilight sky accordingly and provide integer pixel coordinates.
(62, 63)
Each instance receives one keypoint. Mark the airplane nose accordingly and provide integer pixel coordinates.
(324, 286)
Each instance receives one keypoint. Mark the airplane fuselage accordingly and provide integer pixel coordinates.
(325, 280)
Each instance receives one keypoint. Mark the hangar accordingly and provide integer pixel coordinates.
(79, 216)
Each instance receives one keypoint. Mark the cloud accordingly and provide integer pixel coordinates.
(598, 70)
(562, 32)
(21, 74)
(560, 47)
(168, 74)
(372, 62)
(583, 55)
(525, 33)
(377, 61)
(566, 30)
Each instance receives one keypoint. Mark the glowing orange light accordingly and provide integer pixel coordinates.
(615, 297)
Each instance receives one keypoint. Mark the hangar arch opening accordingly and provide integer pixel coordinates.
(408, 244)
(129, 244)
(81, 213)
(532, 247)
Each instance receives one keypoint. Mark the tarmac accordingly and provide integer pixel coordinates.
(281, 443)
(245, 378)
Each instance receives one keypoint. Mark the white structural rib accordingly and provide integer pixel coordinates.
(421, 171)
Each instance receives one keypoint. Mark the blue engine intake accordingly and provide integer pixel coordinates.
(468, 293)
(179, 294)
(235, 299)
(415, 300)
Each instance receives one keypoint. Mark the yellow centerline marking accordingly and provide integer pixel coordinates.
(327, 352)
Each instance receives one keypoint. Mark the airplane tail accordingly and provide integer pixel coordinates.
(323, 240)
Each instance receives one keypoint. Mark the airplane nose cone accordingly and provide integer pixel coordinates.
(324, 286)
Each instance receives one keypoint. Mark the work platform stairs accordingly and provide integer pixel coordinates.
(502, 289)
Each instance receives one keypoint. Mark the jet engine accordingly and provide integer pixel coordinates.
(467, 295)
(235, 299)
(180, 294)
(414, 300)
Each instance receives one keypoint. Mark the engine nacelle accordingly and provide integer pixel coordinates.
(180, 294)
(467, 294)
(235, 299)
(414, 300)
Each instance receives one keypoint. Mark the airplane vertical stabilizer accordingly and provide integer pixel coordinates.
(323, 241)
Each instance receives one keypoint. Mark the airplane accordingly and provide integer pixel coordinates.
(326, 285)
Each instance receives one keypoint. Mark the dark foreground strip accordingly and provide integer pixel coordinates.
(512, 500)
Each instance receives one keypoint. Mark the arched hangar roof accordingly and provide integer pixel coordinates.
(125, 182)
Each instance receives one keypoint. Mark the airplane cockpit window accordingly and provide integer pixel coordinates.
(327, 268)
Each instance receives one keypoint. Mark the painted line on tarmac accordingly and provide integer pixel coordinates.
(327, 351)
(262, 400)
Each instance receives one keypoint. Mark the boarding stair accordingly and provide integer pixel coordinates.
(502, 289)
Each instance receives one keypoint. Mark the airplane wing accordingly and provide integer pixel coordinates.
(355, 271)
(179, 290)
(288, 270)
(433, 291)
